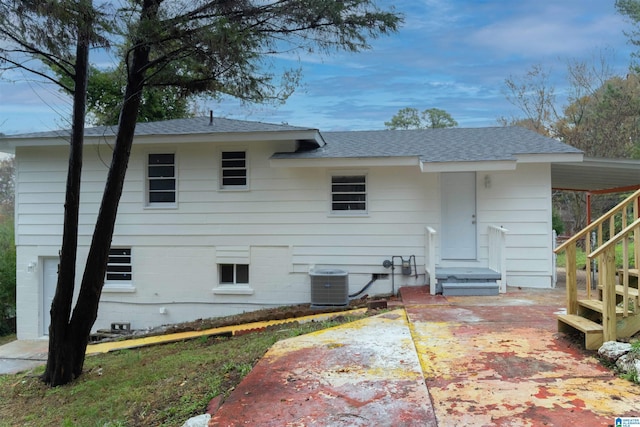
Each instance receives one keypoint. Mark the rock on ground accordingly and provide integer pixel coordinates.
(629, 363)
(199, 421)
(613, 350)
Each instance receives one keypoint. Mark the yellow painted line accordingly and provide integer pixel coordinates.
(106, 347)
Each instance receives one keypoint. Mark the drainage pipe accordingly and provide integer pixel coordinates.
(373, 279)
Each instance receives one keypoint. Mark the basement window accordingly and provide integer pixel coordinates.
(233, 280)
(119, 276)
(234, 274)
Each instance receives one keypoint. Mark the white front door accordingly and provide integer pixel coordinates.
(49, 282)
(458, 196)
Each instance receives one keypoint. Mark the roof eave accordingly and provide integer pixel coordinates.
(468, 166)
(597, 175)
(310, 162)
(571, 157)
(8, 144)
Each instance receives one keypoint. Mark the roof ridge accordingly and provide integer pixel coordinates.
(180, 126)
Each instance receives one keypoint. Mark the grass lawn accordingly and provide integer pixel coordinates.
(7, 339)
(581, 257)
(162, 385)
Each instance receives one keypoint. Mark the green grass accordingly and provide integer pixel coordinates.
(581, 257)
(7, 339)
(162, 385)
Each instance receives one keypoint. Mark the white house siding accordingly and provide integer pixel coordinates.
(281, 226)
(520, 201)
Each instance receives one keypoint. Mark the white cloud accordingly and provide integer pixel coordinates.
(547, 35)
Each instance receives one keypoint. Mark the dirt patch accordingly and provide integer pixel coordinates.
(277, 313)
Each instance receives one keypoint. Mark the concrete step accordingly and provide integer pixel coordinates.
(460, 274)
(470, 288)
(593, 332)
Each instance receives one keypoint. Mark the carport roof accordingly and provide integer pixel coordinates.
(596, 175)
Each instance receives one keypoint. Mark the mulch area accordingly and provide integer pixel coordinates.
(277, 313)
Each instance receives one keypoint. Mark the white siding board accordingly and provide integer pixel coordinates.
(491, 216)
(46, 197)
(41, 176)
(39, 208)
(520, 204)
(520, 201)
(381, 252)
(230, 196)
(528, 240)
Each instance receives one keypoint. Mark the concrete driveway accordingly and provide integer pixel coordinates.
(23, 355)
(454, 361)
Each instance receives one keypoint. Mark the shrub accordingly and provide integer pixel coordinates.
(7, 277)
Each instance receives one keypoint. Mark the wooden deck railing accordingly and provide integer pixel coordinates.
(614, 222)
(606, 255)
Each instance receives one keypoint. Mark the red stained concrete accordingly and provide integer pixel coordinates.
(454, 361)
(363, 374)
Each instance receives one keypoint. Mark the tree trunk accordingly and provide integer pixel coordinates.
(60, 362)
(72, 349)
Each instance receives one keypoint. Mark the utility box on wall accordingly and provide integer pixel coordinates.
(329, 287)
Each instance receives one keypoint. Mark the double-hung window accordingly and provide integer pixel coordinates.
(233, 169)
(349, 193)
(161, 175)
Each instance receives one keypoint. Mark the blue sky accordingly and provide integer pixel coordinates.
(450, 54)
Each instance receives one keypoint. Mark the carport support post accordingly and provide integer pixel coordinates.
(572, 285)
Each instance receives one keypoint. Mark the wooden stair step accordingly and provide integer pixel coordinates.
(632, 272)
(632, 292)
(597, 306)
(593, 332)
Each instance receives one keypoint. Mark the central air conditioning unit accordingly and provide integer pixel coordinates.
(329, 288)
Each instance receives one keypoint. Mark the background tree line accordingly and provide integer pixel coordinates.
(7, 248)
(601, 116)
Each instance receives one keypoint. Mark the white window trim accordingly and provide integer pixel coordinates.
(119, 286)
(113, 288)
(160, 205)
(358, 213)
(247, 163)
(233, 288)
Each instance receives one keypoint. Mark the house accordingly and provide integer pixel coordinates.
(222, 216)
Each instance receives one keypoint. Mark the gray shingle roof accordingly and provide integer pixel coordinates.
(429, 145)
(196, 125)
(435, 145)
